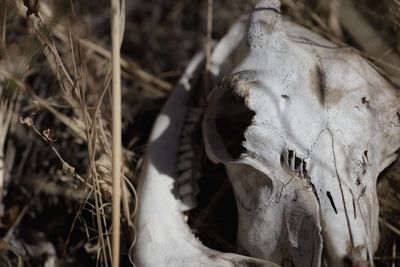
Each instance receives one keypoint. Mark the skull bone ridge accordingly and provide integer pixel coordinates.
(304, 127)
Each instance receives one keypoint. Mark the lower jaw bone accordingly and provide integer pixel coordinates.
(164, 239)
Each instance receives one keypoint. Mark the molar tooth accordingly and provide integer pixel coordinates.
(185, 147)
(188, 189)
(188, 202)
(186, 140)
(186, 155)
(185, 176)
(184, 165)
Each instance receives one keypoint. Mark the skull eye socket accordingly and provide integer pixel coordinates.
(232, 119)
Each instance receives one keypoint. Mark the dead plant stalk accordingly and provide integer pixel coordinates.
(116, 129)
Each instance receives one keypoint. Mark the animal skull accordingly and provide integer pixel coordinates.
(303, 127)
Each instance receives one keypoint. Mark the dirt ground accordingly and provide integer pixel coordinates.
(55, 114)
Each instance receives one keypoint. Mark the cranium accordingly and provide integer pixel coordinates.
(303, 127)
(321, 125)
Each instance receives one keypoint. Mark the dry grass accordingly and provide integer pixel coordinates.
(55, 78)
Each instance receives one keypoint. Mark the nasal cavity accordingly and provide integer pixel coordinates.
(232, 120)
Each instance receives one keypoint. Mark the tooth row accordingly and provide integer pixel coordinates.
(188, 175)
(188, 189)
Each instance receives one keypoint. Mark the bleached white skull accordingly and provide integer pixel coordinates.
(303, 127)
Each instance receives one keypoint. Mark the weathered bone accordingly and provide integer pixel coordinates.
(319, 125)
(164, 238)
(309, 127)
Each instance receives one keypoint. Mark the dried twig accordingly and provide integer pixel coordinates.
(390, 226)
(128, 65)
(116, 128)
